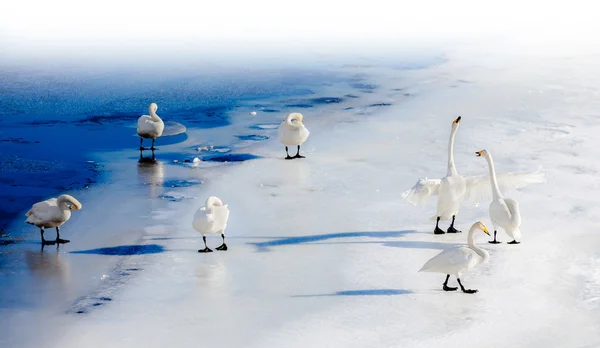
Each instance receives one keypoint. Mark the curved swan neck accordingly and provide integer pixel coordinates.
(495, 190)
(471, 244)
(451, 166)
(152, 112)
(291, 117)
(211, 202)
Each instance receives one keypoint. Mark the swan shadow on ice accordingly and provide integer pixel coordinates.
(405, 244)
(124, 250)
(365, 292)
(278, 241)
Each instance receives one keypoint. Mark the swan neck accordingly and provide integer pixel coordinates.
(494, 180)
(289, 120)
(153, 115)
(451, 166)
(471, 243)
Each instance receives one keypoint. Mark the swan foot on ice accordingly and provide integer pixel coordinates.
(222, 247)
(295, 156)
(466, 291)
(513, 242)
(58, 239)
(438, 230)
(494, 241)
(451, 229)
(446, 287)
(45, 242)
(205, 250)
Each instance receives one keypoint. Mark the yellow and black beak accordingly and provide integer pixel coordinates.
(485, 230)
(457, 120)
(479, 153)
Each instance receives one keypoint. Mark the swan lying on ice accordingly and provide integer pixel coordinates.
(459, 259)
(150, 127)
(293, 133)
(52, 213)
(454, 188)
(503, 212)
(210, 219)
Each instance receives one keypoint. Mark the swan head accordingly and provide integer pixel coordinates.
(456, 122)
(294, 116)
(152, 108)
(480, 226)
(483, 153)
(213, 201)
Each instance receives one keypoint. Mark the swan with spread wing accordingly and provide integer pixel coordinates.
(453, 189)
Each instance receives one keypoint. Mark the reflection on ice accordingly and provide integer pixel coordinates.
(46, 264)
(151, 172)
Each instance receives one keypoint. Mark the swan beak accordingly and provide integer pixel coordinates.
(479, 153)
(485, 230)
(457, 120)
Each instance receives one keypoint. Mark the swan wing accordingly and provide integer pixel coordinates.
(480, 188)
(419, 194)
(203, 222)
(43, 211)
(515, 212)
(221, 215)
(451, 261)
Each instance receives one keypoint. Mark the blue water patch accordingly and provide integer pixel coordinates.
(172, 198)
(379, 104)
(299, 106)
(263, 126)
(352, 96)
(181, 183)
(327, 100)
(237, 157)
(252, 137)
(124, 250)
(364, 87)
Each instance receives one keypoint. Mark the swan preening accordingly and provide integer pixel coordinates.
(210, 219)
(150, 126)
(50, 213)
(454, 188)
(504, 212)
(293, 133)
(457, 260)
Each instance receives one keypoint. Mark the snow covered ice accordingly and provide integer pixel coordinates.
(323, 252)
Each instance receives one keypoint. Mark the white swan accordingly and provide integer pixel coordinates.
(293, 133)
(210, 219)
(150, 127)
(453, 188)
(503, 212)
(458, 260)
(52, 213)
